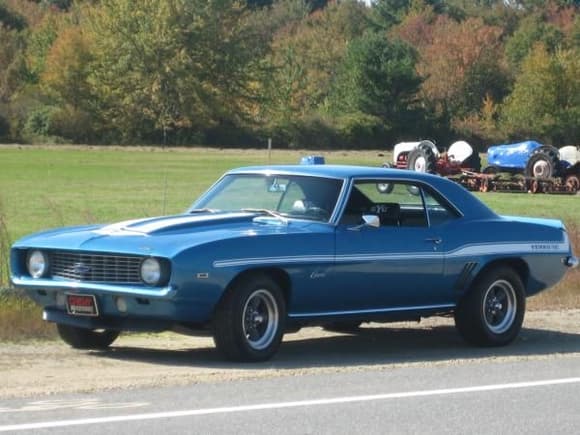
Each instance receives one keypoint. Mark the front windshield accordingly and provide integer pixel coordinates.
(301, 197)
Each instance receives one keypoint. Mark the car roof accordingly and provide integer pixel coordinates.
(331, 171)
(469, 205)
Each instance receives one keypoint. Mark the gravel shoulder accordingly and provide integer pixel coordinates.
(50, 367)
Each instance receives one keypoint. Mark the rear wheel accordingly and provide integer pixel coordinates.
(491, 314)
(422, 159)
(82, 338)
(249, 321)
(543, 163)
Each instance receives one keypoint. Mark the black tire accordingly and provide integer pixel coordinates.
(81, 338)
(492, 312)
(249, 321)
(543, 163)
(344, 326)
(422, 159)
(385, 187)
(473, 162)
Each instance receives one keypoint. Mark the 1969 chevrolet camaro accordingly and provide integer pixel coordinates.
(270, 249)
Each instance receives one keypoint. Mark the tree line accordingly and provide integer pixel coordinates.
(306, 73)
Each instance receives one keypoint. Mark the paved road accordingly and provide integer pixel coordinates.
(537, 395)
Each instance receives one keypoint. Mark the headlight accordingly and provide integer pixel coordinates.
(37, 263)
(151, 271)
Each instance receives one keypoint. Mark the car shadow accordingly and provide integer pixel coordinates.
(367, 347)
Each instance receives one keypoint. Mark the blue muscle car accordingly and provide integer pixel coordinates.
(271, 249)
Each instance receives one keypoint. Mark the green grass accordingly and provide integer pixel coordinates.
(50, 187)
(565, 207)
(20, 319)
(46, 187)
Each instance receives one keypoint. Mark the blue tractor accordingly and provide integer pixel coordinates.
(534, 160)
(530, 158)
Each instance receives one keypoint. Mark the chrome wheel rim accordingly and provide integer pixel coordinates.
(541, 169)
(499, 306)
(260, 319)
(383, 187)
(420, 164)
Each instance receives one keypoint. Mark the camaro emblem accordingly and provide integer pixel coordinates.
(81, 268)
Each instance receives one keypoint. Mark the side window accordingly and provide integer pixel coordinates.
(396, 203)
(439, 211)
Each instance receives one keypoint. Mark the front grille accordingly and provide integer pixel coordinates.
(88, 267)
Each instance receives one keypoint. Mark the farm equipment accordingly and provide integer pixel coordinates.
(520, 167)
(424, 156)
(533, 166)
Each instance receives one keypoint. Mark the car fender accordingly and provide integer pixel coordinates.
(570, 154)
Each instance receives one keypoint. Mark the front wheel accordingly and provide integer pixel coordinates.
(249, 321)
(82, 338)
(491, 314)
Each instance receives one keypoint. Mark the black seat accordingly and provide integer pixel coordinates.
(357, 205)
(389, 213)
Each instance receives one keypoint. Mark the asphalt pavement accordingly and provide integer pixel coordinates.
(539, 395)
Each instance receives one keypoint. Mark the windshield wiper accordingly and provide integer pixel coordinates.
(267, 212)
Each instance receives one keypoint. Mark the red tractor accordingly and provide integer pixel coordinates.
(424, 156)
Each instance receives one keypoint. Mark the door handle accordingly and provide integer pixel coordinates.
(436, 240)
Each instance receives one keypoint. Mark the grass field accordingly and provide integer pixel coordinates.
(45, 187)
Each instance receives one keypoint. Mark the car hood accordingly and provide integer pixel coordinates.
(162, 236)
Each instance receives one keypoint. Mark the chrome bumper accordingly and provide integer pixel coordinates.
(571, 261)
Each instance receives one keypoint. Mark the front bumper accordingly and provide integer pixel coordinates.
(119, 307)
(49, 284)
(107, 322)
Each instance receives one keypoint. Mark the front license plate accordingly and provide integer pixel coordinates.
(81, 305)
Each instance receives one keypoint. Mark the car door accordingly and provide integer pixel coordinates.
(396, 265)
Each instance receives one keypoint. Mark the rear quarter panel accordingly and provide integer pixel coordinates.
(535, 250)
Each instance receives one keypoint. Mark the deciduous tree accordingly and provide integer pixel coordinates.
(176, 64)
(545, 101)
(305, 56)
(458, 60)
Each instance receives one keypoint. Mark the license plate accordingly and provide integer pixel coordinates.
(81, 305)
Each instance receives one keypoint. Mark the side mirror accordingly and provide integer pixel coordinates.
(369, 220)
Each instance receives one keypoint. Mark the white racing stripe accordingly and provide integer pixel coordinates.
(281, 405)
(469, 251)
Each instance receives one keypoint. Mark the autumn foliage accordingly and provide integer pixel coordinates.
(306, 73)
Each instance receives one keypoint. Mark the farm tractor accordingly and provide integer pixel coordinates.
(520, 167)
(424, 156)
(544, 168)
